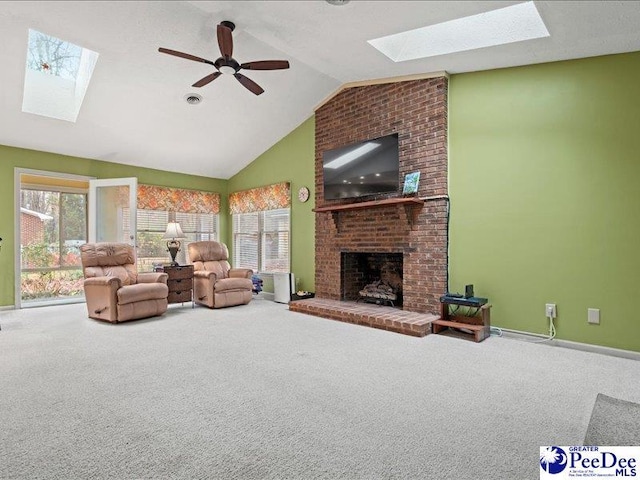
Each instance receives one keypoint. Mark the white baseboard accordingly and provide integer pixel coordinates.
(585, 347)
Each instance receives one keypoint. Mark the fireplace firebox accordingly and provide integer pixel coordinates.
(372, 277)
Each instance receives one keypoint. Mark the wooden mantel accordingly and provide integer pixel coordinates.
(407, 202)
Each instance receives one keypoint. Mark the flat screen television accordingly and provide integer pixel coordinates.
(362, 169)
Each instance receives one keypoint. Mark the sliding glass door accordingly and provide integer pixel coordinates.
(56, 214)
(52, 220)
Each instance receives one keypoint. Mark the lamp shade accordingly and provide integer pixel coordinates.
(173, 231)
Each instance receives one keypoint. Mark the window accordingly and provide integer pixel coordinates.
(151, 227)
(53, 225)
(275, 240)
(196, 212)
(261, 240)
(57, 76)
(196, 227)
(246, 234)
(151, 248)
(514, 23)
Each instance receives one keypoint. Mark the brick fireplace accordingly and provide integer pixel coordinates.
(417, 111)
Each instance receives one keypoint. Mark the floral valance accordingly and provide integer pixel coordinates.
(151, 197)
(270, 197)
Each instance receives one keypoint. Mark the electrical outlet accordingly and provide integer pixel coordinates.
(550, 310)
(593, 316)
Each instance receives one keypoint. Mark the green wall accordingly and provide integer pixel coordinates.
(292, 159)
(542, 176)
(11, 157)
(544, 172)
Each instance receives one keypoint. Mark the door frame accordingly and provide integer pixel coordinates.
(92, 223)
(17, 222)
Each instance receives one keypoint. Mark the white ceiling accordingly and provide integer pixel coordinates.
(134, 111)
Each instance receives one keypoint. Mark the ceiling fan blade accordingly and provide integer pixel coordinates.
(249, 84)
(206, 80)
(266, 65)
(225, 41)
(184, 55)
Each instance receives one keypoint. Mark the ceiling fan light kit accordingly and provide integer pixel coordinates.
(226, 64)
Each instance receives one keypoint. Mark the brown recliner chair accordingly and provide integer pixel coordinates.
(215, 283)
(114, 290)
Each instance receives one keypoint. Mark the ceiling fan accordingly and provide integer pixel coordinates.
(227, 64)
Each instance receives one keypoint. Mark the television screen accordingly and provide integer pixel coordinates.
(364, 168)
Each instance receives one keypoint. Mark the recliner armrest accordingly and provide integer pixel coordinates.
(206, 274)
(153, 277)
(240, 273)
(100, 295)
(106, 281)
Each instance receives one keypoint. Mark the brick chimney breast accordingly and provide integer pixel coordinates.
(417, 111)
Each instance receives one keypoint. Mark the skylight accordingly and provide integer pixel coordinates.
(57, 76)
(497, 27)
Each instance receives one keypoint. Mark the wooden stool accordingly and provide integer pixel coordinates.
(478, 325)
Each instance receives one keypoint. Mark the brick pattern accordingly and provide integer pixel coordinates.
(376, 316)
(31, 229)
(417, 111)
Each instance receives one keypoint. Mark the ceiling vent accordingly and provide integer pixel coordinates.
(193, 98)
(337, 2)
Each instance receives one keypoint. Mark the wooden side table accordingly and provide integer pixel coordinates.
(180, 283)
(479, 323)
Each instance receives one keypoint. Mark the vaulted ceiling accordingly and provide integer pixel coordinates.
(135, 111)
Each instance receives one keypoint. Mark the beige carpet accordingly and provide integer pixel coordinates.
(259, 392)
(613, 422)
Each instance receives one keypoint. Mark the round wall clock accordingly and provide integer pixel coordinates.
(303, 194)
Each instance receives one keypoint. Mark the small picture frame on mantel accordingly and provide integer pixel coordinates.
(411, 181)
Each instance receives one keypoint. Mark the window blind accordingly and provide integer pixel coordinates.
(275, 240)
(246, 240)
(261, 240)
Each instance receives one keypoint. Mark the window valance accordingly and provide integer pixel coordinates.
(151, 197)
(258, 199)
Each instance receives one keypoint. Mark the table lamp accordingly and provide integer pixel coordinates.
(173, 245)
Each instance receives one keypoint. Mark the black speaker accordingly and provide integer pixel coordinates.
(468, 291)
